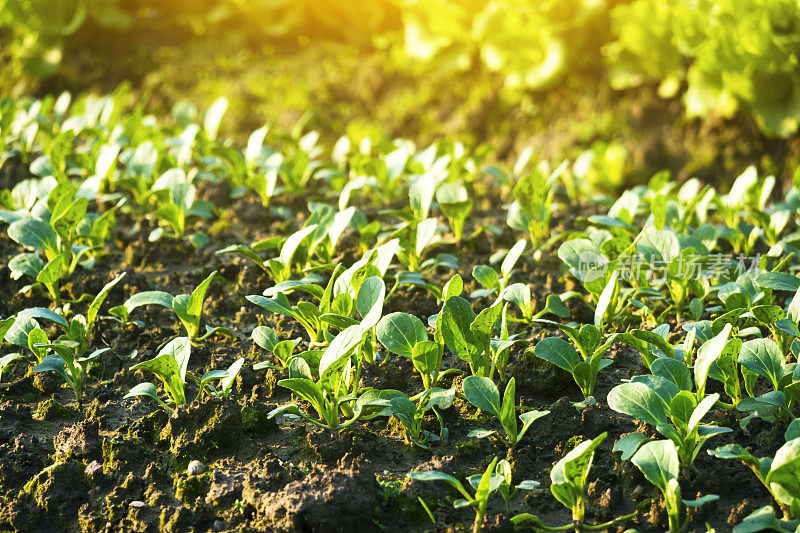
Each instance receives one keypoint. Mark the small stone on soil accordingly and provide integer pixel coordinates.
(195, 468)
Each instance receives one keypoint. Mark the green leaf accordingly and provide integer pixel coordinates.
(400, 332)
(628, 444)
(51, 273)
(340, 349)
(277, 304)
(149, 298)
(639, 401)
(569, 475)
(265, 337)
(457, 317)
(54, 363)
(736, 452)
(42, 312)
(778, 281)
(486, 276)
(508, 413)
(658, 462)
(764, 357)
(554, 305)
(94, 307)
(369, 302)
(767, 314)
(425, 357)
(784, 476)
(529, 418)
(35, 234)
(483, 394)
(673, 370)
(604, 301)
(707, 354)
(306, 390)
(558, 352)
(37, 343)
(143, 389)
(764, 519)
(213, 117)
(433, 475)
(483, 325)
(511, 257)
(195, 306)
(293, 242)
(453, 287)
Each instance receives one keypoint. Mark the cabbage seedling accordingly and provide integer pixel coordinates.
(68, 365)
(483, 394)
(492, 281)
(483, 485)
(675, 413)
(170, 367)
(410, 414)
(658, 461)
(188, 308)
(778, 474)
(405, 335)
(468, 336)
(568, 484)
(456, 205)
(507, 489)
(584, 368)
(336, 389)
(281, 267)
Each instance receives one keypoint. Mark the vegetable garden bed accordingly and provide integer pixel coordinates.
(324, 327)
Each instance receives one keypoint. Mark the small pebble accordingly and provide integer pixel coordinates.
(138, 504)
(219, 525)
(94, 469)
(195, 468)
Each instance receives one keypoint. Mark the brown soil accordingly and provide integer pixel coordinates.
(122, 467)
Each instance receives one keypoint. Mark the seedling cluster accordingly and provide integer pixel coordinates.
(371, 229)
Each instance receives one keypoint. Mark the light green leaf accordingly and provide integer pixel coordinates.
(400, 332)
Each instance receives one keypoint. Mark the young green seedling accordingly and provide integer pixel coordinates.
(483, 486)
(281, 267)
(779, 475)
(658, 461)
(176, 199)
(59, 228)
(456, 205)
(336, 390)
(533, 204)
(283, 351)
(520, 295)
(675, 413)
(68, 365)
(584, 366)
(507, 489)
(483, 394)
(468, 336)
(170, 367)
(568, 485)
(411, 414)
(488, 277)
(405, 335)
(188, 308)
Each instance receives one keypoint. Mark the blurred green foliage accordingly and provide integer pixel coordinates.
(722, 56)
(731, 54)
